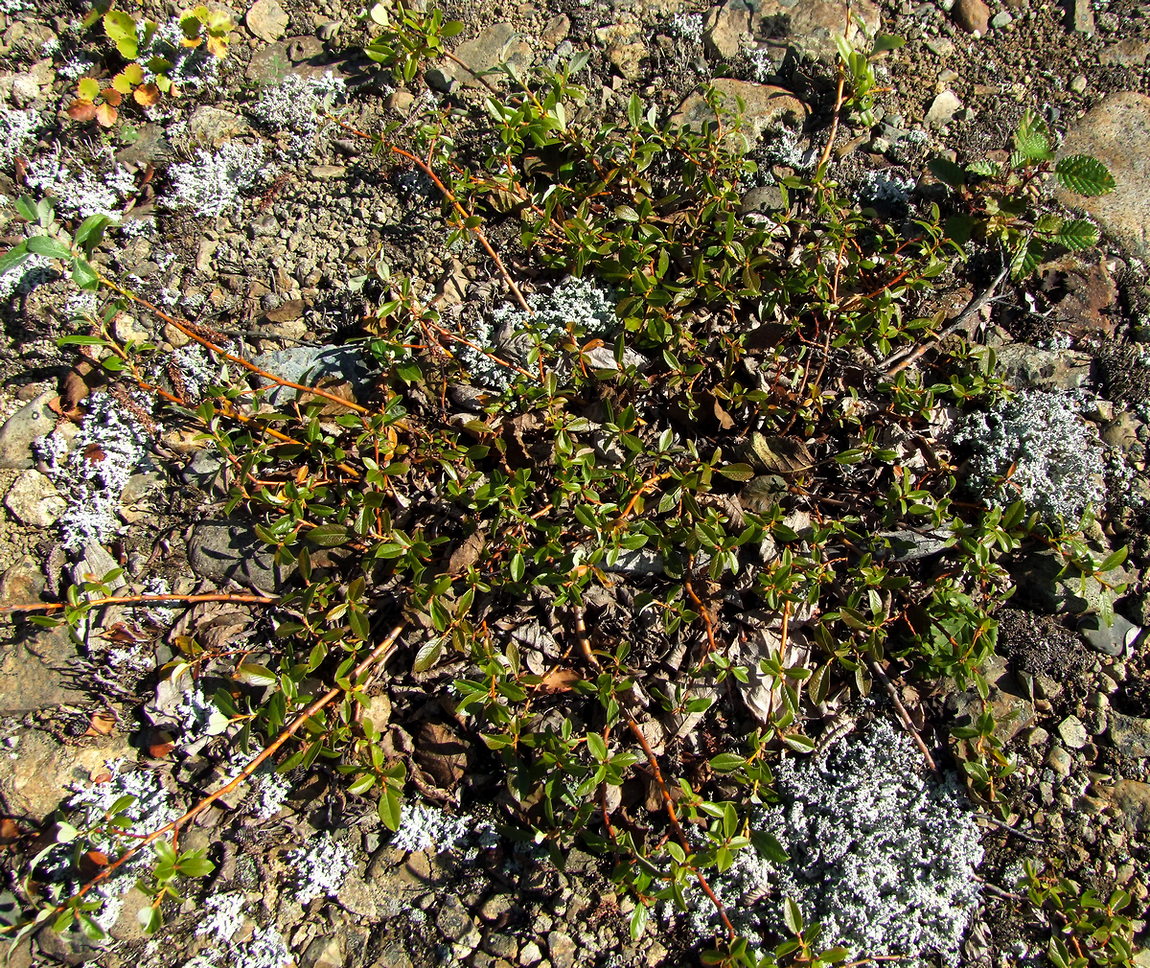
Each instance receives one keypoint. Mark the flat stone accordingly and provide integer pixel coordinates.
(1126, 53)
(34, 419)
(973, 16)
(943, 109)
(808, 27)
(34, 500)
(345, 367)
(269, 65)
(222, 551)
(38, 772)
(1109, 639)
(728, 28)
(1130, 735)
(561, 948)
(1132, 798)
(1117, 132)
(1084, 17)
(213, 126)
(1073, 732)
(767, 106)
(39, 672)
(267, 20)
(493, 47)
(457, 925)
(327, 172)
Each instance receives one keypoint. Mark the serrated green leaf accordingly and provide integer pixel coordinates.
(1032, 139)
(1077, 234)
(1084, 175)
(1026, 258)
(596, 746)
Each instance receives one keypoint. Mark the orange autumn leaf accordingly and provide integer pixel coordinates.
(146, 95)
(101, 724)
(112, 96)
(9, 831)
(560, 680)
(106, 115)
(82, 111)
(161, 750)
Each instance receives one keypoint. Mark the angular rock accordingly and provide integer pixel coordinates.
(267, 20)
(767, 106)
(496, 45)
(942, 109)
(973, 16)
(457, 924)
(1073, 732)
(1084, 17)
(1130, 735)
(808, 27)
(1130, 52)
(1117, 132)
(34, 500)
(38, 772)
(561, 947)
(728, 28)
(34, 419)
(213, 126)
(222, 551)
(1132, 798)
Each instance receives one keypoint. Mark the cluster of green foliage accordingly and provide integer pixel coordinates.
(695, 458)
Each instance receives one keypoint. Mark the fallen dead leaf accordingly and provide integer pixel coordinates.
(101, 724)
(560, 680)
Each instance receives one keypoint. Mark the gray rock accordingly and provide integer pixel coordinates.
(323, 173)
(34, 500)
(764, 198)
(1084, 17)
(1130, 735)
(1040, 584)
(1023, 365)
(1117, 132)
(40, 673)
(495, 46)
(307, 365)
(213, 126)
(34, 419)
(223, 551)
(728, 28)
(561, 948)
(1108, 639)
(457, 925)
(1130, 52)
(38, 772)
(1073, 732)
(809, 28)
(269, 64)
(530, 954)
(94, 564)
(267, 20)
(1001, 19)
(767, 106)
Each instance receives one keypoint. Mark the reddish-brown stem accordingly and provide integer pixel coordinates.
(136, 599)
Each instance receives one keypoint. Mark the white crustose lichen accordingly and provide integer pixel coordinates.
(1038, 448)
(320, 868)
(880, 855)
(297, 105)
(213, 183)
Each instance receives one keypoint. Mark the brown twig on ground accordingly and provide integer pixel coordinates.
(191, 333)
(893, 365)
(137, 599)
(881, 676)
(288, 731)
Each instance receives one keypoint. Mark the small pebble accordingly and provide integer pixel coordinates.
(1073, 732)
(1059, 761)
(1078, 84)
